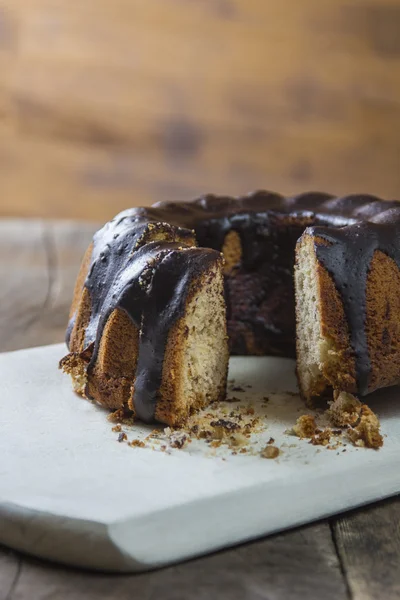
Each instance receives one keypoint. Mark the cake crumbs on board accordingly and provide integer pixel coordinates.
(222, 425)
(367, 431)
(121, 416)
(350, 417)
(137, 444)
(305, 427)
(344, 410)
(219, 425)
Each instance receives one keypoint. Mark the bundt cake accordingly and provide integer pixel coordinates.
(147, 329)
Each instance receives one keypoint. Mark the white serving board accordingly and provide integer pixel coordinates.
(71, 493)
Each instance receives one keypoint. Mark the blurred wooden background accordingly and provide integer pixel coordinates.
(111, 103)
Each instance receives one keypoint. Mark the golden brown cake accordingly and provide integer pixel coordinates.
(147, 328)
(348, 307)
(147, 331)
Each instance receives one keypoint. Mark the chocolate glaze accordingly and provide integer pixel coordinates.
(150, 282)
(112, 267)
(165, 303)
(149, 279)
(347, 257)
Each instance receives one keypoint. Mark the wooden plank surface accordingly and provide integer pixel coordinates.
(292, 566)
(356, 556)
(105, 104)
(38, 264)
(368, 542)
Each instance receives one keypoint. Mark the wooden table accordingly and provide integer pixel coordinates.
(354, 556)
(106, 104)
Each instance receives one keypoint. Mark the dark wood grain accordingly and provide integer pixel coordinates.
(105, 104)
(24, 288)
(368, 542)
(10, 568)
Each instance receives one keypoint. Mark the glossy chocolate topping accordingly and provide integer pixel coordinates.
(255, 215)
(150, 281)
(268, 225)
(111, 265)
(347, 257)
(138, 263)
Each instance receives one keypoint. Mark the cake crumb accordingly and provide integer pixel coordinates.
(215, 443)
(137, 444)
(270, 452)
(223, 428)
(116, 416)
(238, 439)
(305, 427)
(178, 439)
(117, 428)
(204, 434)
(363, 424)
(344, 410)
(121, 416)
(271, 440)
(367, 431)
(321, 437)
(153, 435)
(122, 437)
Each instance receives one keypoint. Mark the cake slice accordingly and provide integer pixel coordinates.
(347, 284)
(148, 327)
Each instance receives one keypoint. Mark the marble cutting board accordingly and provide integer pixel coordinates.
(71, 493)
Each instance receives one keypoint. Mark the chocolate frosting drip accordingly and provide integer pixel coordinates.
(115, 262)
(115, 244)
(150, 280)
(165, 303)
(347, 258)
